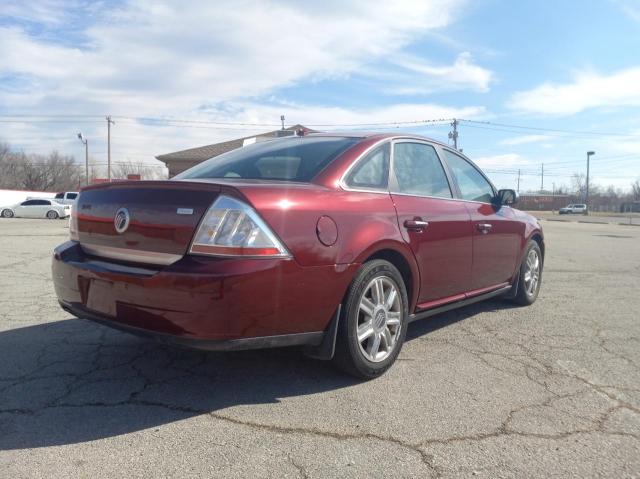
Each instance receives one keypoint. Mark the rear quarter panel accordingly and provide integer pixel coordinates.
(366, 223)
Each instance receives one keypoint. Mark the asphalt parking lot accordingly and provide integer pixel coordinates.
(491, 390)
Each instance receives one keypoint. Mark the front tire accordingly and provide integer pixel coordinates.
(373, 323)
(7, 213)
(530, 275)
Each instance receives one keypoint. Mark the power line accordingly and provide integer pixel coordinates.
(555, 130)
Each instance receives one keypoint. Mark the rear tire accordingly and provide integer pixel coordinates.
(52, 215)
(373, 323)
(530, 275)
(7, 213)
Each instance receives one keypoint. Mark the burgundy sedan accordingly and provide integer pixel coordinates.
(327, 241)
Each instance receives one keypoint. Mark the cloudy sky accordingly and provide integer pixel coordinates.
(539, 82)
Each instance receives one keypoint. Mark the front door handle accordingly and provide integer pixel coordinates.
(416, 224)
(484, 227)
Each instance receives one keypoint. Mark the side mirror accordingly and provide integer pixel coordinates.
(507, 197)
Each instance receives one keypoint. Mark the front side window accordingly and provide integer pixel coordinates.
(418, 171)
(473, 185)
(285, 159)
(372, 171)
(71, 196)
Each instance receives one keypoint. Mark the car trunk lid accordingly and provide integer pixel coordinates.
(161, 218)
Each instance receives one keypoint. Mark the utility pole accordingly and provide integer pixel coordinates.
(589, 154)
(518, 180)
(85, 142)
(282, 120)
(109, 123)
(542, 179)
(453, 135)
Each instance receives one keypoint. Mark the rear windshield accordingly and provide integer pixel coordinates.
(288, 159)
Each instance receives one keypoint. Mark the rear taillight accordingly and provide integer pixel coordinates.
(73, 226)
(232, 228)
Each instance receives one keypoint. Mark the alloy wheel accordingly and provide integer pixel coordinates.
(379, 319)
(532, 272)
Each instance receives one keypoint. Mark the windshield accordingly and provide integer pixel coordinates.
(288, 159)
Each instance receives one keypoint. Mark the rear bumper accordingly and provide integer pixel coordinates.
(276, 341)
(206, 303)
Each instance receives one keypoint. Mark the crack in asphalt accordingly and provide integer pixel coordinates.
(79, 356)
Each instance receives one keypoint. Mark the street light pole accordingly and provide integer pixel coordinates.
(589, 155)
(109, 123)
(85, 142)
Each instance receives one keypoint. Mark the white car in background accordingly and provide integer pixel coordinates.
(36, 208)
(573, 209)
(67, 197)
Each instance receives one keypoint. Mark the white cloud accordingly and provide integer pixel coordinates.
(588, 90)
(206, 60)
(461, 74)
(154, 58)
(630, 7)
(507, 160)
(524, 139)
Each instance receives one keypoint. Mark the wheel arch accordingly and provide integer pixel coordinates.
(537, 237)
(404, 261)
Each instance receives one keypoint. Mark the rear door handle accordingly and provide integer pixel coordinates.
(416, 224)
(484, 227)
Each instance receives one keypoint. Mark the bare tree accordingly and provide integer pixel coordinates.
(579, 185)
(146, 171)
(54, 172)
(635, 190)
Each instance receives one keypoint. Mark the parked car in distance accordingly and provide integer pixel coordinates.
(36, 208)
(331, 242)
(574, 208)
(67, 197)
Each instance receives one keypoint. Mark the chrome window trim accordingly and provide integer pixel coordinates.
(342, 182)
(132, 255)
(437, 146)
(477, 168)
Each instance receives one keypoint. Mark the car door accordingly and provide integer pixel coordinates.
(39, 208)
(26, 209)
(435, 225)
(497, 233)
(45, 206)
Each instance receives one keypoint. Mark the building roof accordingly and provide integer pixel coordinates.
(202, 153)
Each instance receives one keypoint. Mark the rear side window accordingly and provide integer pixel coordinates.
(60, 196)
(286, 159)
(372, 171)
(418, 171)
(473, 185)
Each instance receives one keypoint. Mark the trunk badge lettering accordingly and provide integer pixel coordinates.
(121, 220)
(185, 211)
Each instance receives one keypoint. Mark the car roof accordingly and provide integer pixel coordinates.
(375, 135)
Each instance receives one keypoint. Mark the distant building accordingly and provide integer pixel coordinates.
(545, 202)
(179, 161)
